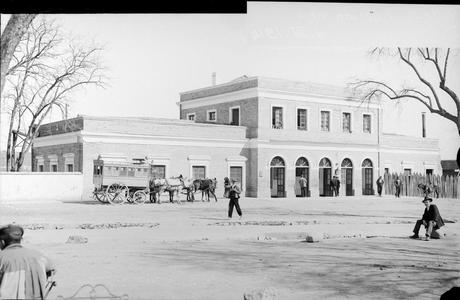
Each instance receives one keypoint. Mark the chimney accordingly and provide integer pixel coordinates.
(213, 78)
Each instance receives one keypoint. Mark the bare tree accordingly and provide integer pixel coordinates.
(432, 93)
(15, 28)
(45, 70)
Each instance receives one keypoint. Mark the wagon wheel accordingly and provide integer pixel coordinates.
(101, 196)
(117, 193)
(139, 197)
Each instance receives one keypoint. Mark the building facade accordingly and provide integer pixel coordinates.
(265, 132)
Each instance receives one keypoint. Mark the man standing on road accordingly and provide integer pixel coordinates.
(23, 272)
(398, 186)
(234, 194)
(380, 183)
(303, 186)
(431, 219)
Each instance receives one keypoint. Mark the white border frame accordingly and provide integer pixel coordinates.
(40, 161)
(283, 106)
(160, 161)
(230, 114)
(69, 159)
(237, 161)
(372, 122)
(330, 119)
(199, 160)
(207, 115)
(352, 129)
(308, 118)
(53, 159)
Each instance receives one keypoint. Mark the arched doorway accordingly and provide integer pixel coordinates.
(325, 172)
(368, 179)
(347, 176)
(302, 168)
(277, 177)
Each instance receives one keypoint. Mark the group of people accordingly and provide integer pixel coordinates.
(426, 189)
(335, 185)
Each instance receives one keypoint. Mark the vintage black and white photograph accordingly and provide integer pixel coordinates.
(296, 150)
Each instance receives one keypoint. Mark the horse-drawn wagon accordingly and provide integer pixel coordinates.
(118, 180)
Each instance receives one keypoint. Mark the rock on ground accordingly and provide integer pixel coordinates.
(263, 294)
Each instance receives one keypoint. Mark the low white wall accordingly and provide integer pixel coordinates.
(40, 186)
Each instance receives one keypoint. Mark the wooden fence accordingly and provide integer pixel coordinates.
(448, 186)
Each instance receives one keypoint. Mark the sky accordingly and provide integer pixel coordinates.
(151, 58)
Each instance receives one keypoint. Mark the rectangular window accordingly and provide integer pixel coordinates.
(235, 116)
(277, 118)
(429, 171)
(407, 171)
(53, 168)
(131, 172)
(301, 119)
(212, 115)
(387, 170)
(346, 122)
(367, 123)
(40, 168)
(191, 117)
(325, 120)
(423, 125)
(159, 171)
(123, 171)
(69, 168)
(199, 172)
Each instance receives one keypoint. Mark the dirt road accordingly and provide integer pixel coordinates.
(192, 251)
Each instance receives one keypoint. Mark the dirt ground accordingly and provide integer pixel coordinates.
(193, 251)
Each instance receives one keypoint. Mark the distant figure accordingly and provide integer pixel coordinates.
(303, 186)
(332, 184)
(380, 183)
(431, 219)
(426, 190)
(337, 186)
(234, 193)
(227, 186)
(23, 272)
(398, 184)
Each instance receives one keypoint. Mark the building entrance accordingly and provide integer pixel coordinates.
(325, 174)
(277, 177)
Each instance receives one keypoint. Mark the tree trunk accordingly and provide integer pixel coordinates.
(12, 34)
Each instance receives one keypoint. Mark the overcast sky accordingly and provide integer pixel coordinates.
(153, 57)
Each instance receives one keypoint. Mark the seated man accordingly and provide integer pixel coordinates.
(431, 219)
(23, 272)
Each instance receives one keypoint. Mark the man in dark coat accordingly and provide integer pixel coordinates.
(431, 219)
(398, 184)
(234, 194)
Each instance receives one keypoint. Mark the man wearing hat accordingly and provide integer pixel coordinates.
(431, 219)
(23, 272)
(234, 195)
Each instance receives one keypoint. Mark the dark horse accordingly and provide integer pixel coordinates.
(206, 186)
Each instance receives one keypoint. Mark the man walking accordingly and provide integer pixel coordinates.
(431, 219)
(234, 195)
(380, 183)
(23, 272)
(398, 186)
(303, 186)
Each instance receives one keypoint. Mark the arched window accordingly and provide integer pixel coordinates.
(302, 162)
(367, 163)
(325, 163)
(277, 162)
(346, 163)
